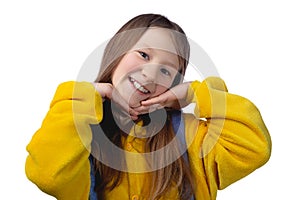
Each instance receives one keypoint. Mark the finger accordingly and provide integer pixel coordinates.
(162, 99)
(155, 100)
(133, 112)
(134, 117)
(148, 109)
(155, 107)
(141, 109)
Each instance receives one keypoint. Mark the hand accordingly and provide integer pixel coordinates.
(175, 98)
(107, 91)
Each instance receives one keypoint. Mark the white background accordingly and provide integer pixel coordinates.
(254, 45)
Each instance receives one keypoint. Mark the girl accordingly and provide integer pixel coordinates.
(123, 137)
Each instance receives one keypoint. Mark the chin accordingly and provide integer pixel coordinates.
(134, 104)
(134, 100)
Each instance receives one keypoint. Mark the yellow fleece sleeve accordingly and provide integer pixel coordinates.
(228, 138)
(58, 152)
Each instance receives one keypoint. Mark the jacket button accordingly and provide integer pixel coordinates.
(135, 197)
(128, 146)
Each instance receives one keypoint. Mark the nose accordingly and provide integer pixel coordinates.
(149, 72)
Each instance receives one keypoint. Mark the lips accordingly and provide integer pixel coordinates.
(138, 86)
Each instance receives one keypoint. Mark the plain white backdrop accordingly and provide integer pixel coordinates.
(254, 45)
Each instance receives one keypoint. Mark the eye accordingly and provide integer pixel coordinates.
(165, 71)
(144, 55)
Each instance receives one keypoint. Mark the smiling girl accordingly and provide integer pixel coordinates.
(120, 137)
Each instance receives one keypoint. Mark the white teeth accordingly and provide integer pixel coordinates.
(139, 86)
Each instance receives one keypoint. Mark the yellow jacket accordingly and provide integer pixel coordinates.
(226, 137)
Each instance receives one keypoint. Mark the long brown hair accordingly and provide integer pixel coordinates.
(176, 174)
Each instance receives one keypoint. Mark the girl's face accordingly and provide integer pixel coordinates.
(148, 69)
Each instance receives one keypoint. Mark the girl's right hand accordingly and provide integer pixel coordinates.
(107, 91)
(174, 98)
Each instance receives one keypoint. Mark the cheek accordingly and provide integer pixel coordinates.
(165, 82)
(126, 66)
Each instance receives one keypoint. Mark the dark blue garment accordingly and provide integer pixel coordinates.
(93, 194)
(178, 126)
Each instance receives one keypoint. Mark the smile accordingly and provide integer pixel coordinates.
(138, 86)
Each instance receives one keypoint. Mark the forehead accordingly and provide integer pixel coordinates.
(157, 38)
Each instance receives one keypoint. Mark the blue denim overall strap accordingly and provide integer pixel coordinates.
(93, 194)
(179, 129)
(178, 126)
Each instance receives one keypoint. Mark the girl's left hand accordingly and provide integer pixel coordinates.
(174, 98)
